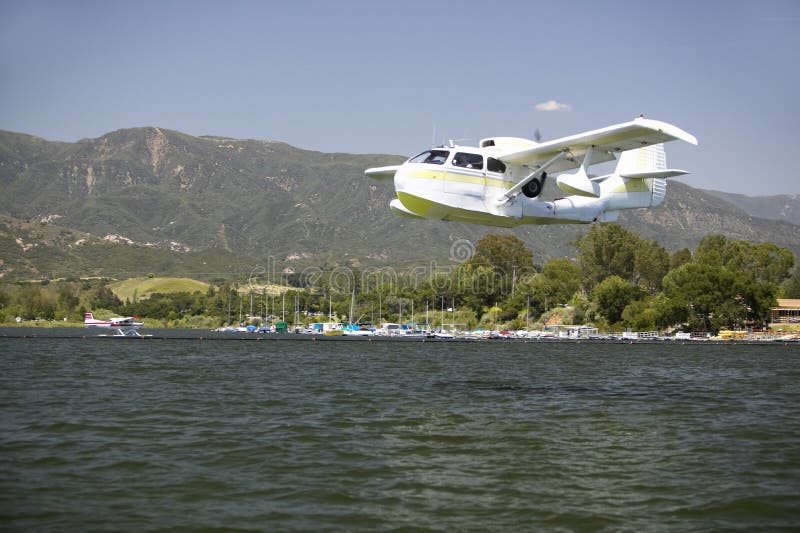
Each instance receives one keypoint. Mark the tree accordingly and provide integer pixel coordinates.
(612, 295)
(104, 298)
(680, 258)
(506, 254)
(611, 250)
(67, 299)
(499, 265)
(558, 282)
(651, 264)
(770, 263)
(719, 297)
(765, 262)
(476, 286)
(33, 302)
(640, 315)
(606, 250)
(755, 299)
(729, 283)
(669, 312)
(791, 289)
(711, 250)
(701, 288)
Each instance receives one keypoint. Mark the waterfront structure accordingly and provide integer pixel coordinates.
(786, 312)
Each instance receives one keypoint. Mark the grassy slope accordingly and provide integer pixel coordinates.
(144, 287)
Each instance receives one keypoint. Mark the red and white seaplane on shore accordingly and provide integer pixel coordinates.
(124, 326)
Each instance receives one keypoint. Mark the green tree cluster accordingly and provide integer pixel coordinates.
(724, 283)
(618, 280)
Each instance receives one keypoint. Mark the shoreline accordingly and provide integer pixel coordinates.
(17, 332)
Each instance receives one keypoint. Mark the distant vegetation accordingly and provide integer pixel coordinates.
(265, 229)
(618, 280)
(135, 289)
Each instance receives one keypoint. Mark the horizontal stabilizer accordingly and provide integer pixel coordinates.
(382, 173)
(667, 173)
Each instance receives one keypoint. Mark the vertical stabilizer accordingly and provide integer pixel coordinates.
(645, 159)
(639, 179)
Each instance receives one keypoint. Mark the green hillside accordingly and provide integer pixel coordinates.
(137, 288)
(32, 250)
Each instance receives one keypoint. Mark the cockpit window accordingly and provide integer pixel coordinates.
(495, 165)
(433, 157)
(466, 160)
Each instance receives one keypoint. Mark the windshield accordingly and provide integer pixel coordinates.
(433, 157)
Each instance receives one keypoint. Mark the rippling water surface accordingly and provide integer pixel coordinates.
(132, 435)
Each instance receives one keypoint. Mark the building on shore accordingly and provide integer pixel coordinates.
(786, 312)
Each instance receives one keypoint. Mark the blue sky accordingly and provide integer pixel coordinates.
(390, 77)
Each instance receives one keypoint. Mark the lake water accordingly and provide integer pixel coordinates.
(102, 434)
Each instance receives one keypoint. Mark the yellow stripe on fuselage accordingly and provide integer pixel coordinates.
(427, 208)
(420, 174)
(456, 177)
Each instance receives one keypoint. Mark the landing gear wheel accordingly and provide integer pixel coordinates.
(533, 188)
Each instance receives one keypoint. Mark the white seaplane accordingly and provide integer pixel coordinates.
(124, 326)
(499, 182)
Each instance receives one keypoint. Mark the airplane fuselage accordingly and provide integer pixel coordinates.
(438, 184)
(499, 182)
(113, 323)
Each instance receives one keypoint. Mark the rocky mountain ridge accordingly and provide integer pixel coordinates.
(153, 192)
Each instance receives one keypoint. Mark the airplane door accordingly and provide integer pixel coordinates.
(465, 181)
(495, 176)
(497, 183)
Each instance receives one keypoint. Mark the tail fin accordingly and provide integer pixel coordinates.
(639, 179)
(648, 160)
(88, 316)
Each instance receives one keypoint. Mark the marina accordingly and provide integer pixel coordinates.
(481, 337)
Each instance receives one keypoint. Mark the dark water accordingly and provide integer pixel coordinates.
(280, 436)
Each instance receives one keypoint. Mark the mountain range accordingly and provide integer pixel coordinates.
(779, 207)
(143, 200)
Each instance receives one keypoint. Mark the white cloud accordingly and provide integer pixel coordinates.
(552, 105)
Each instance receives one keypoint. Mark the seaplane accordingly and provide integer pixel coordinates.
(499, 182)
(124, 326)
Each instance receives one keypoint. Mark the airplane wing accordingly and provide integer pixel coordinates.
(605, 142)
(382, 173)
